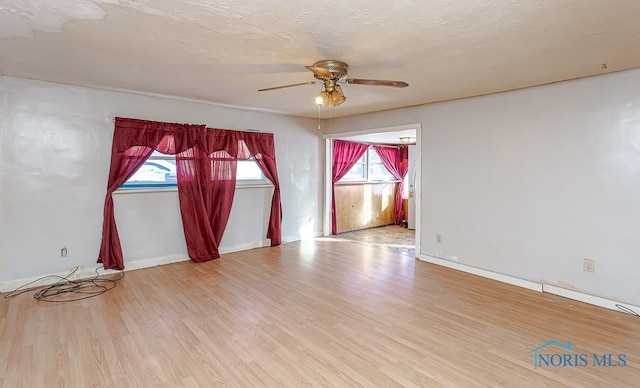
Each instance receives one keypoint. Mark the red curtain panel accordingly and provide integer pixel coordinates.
(268, 166)
(345, 155)
(261, 147)
(396, 160)
(206, 186)
(123, 166)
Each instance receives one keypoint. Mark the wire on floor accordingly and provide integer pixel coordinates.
(67, 290)
(627, 310)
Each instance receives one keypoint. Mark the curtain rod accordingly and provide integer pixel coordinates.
(113, 120)
(376, 144)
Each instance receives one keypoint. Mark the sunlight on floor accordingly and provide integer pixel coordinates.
(396, 238)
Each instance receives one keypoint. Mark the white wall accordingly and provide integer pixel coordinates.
(55, 151)
(528, 183)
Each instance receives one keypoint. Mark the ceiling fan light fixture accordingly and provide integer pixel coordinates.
(321, 98)
(331, 99)
(337, 97)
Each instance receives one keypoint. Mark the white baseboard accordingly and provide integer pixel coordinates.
(540, 287)
(482, 272)
(146, 263)
(245, 247)
(262, 243)
(85, 273)
(293, 238)
(587, 298)
(46, 279)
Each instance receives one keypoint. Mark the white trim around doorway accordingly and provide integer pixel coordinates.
(326, 225)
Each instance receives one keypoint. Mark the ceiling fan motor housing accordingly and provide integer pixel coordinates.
(337, 69)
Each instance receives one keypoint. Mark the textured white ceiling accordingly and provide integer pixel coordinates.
(223, 51)
(22, 18)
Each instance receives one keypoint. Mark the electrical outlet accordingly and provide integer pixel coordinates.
(589, 265)
(438, 238)
(63, 252)
(76, 272)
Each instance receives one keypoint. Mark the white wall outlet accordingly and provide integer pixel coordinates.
(589, 265)
(438, 238)
(75, 271)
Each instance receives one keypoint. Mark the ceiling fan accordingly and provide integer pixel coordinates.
(330, 73)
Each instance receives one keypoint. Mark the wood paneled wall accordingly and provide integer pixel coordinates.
(364, 205)
(405, 208)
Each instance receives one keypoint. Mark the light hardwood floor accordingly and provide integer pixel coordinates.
(317, 313)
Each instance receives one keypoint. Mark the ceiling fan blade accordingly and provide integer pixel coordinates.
(287, 86)
(377, 82)
(320, 71)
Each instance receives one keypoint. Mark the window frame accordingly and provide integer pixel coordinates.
(367, 178)
(365, 173)
(146, 185)
(252, 182)
(173, 186)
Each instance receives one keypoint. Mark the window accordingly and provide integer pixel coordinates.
(248, 170)
(159, 171)
(377, 171)
(358, 172)
(368, 168)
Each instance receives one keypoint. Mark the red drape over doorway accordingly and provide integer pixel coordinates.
(345, 155)
(396, 160)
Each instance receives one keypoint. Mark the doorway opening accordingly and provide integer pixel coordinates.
(358, 202)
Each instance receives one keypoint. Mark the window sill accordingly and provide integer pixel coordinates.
(365, 182)
(175, 189)
(146, 190)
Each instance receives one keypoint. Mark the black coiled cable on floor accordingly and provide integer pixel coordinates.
(66, 290)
